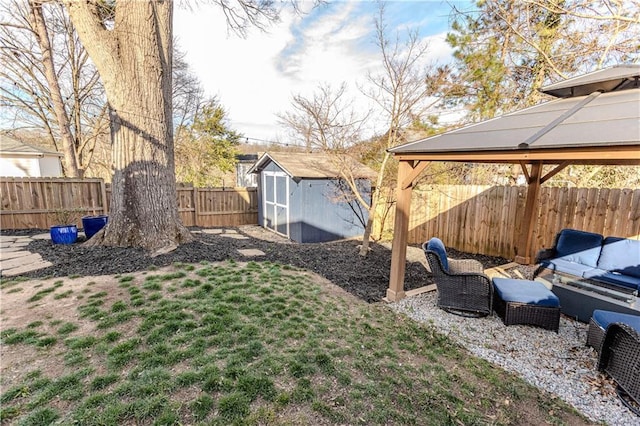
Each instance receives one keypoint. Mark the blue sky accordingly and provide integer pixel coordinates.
(255, 77)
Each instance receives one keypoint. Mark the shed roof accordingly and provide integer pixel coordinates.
(11, 145)
(300, 165)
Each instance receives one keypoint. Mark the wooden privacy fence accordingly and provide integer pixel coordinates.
(470, 218)
(485, 219)
(31, 203)
(209, 207)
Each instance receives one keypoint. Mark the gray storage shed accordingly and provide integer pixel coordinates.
(302, 196)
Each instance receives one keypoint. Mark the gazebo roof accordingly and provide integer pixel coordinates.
(601, 127)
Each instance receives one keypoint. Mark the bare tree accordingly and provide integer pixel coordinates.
(133, 54)
(402, 92)
(47, 81)
(73, 94)
(328, 121)
(40, 30)
(188, 94)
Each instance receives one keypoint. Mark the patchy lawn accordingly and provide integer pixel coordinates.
(239, 343)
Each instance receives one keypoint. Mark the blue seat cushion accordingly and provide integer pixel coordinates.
(579, 246)
(524, 291)
(437, 246)
(568, 267)
(614, 278)
(620, 255)
(604, 318)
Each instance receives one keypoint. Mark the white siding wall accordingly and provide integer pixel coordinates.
(30, 167)
(20, 167)
(50, 166)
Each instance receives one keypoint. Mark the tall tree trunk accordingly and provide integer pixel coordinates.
(375, 198)
(42, 35)
(134, 60)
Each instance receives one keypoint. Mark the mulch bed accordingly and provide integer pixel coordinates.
(339, 262)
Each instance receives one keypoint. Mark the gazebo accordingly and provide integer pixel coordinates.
(595, 120)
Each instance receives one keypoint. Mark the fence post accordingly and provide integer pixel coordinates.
(105, 203)
(196, 207)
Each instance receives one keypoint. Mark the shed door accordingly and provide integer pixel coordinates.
(276, 202)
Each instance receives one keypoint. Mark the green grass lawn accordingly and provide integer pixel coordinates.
(254, 343)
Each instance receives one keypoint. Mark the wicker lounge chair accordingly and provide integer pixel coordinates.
(620, 358)
(463, 288)
(599, 322)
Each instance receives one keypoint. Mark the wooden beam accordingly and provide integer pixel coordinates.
(418, 168)
(622, 155)
(554, 172)
(395, 291)
(523, 249)
(424, 289)
(525, 170)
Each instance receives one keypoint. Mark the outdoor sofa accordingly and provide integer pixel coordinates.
(611, 261)
(590, 272)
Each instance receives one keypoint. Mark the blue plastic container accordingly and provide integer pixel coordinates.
(92, 224)
(64, 234)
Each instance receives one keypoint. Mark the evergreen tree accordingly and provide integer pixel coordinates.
(207, 148)
(505, 51)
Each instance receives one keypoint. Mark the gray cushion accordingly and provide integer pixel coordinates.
(620, 255)
(573, 268)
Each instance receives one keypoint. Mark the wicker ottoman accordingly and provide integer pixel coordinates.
(526, 302)
(599, 322)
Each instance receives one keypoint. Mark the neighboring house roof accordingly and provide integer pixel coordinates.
(246, 158)
(607, 117)
(313, 165)
(12, 146)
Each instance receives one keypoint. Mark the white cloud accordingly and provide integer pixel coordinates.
(329, 49)
(239, 71)
(255, 77)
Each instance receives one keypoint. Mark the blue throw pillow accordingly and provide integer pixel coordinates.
(437, 246)
(579, 246)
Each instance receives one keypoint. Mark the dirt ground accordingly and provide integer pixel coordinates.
(339, 262)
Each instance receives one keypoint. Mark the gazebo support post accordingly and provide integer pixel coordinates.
(395, 291)
(523, 249)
